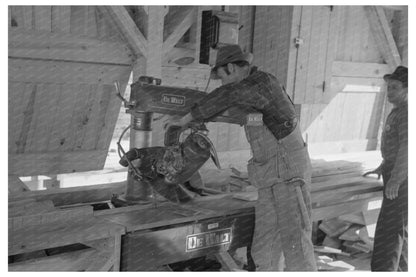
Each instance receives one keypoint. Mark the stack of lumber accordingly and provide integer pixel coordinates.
(338, 187)
(43, 237)
(352, 233)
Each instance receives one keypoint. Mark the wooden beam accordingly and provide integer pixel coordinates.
(179, 31)
(128, 28)
(358, 69)
(73, 195)
(394, 8)
(28, 164)
(342, 208)
(383, 36)
(155, 26)
(60, 72)
(34, 44)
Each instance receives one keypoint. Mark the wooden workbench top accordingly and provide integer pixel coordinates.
(147, 217)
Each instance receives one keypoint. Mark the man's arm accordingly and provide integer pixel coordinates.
(244, 93)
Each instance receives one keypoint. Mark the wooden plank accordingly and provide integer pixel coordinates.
(359, 69)
(78, 17)
(16, 16)
(128, 28)
(346, 193)
(102, 261)
(259, 47)
(10, 19)
(61, 19)
(334, 28)
(342, 209)
(61, 130)
(48, 216)
(74, 195)
(117, 253)
(382, 34)
(56, 234)
(302, 63)
(15, 112)
(111, 112)
(54, 163)
(21, 70)
(91, 29)
(179, 31)
(78, 119)
(53, 114)
(155, 41)
(66, 47)
(27, 121)
(45, 102)
(31, 208)
(328, 147)
(91, 117)
(27, 12)
(42, 18)
(356, 84)
(317, 55)
(71, 261)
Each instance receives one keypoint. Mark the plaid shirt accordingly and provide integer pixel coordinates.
(259, 92)
(394, 145)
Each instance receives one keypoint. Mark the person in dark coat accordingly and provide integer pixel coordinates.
(390, 240)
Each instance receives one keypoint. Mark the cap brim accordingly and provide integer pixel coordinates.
(387, 77)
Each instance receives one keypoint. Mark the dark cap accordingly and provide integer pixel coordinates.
(229, 54)
(400, 74)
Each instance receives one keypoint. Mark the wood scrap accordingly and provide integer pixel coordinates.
(329, 250)
(246, 196)
(334, 227)
(356, 218)
(332, 242)
(351, 234)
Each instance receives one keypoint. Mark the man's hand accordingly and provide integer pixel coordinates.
(177, 121)
(392, 190)
(172, 121)
(375, 171)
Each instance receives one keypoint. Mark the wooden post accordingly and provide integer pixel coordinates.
(140, 137)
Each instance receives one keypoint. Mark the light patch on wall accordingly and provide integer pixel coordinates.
(361, 88)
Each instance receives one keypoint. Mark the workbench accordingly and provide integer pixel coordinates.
(168, 233)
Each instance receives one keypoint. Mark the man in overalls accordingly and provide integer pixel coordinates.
(280, 167)
(390, 240)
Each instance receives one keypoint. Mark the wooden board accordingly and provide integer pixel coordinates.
(70, 196)
(66, 47)
(59, 234)
(56, 162)
(71, 261)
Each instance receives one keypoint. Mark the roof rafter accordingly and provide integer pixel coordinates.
(179, 30)
(383, 35)
(128, 28)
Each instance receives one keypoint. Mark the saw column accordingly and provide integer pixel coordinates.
(141, 122)
(144, 32)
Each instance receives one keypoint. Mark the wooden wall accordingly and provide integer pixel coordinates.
(63, 62)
